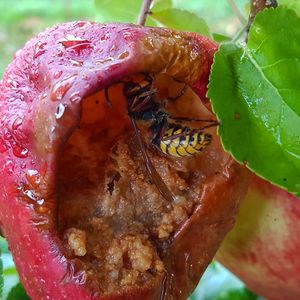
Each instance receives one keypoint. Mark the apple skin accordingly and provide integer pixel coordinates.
(263, 249)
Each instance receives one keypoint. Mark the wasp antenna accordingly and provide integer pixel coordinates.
(187, 119)
(108, 101)
(210, 125)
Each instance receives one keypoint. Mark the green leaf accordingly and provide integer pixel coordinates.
(159, 5)
(117, 10)
(10, 275)
(181, 20)
(294, 4)
(220, 38)
(18, 293)
(237, 294)
(255, 94)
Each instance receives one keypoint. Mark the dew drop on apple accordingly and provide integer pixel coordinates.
(33, 177)
(19, 151)
(9, 167)
(123, 55)
(76, 63)
(74, 97)
(57, 74)
(17, 123)
(39, 49)
(61, 88)
(3, 146)
(60, 111)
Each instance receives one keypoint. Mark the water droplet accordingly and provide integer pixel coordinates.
(127, 36)
(11, 82)
(80, 23)
(123, 55)
(59, 53)
(39, 49)
(60, 111)
(9, 167)
(40, 201)
(113, 48)
(17, 123)
(105, 37)
(104, 60)
(33, 177)
(19, 151)
(61, 87)
(75, 97)
(3, 146)
(76, 63)
(57, 74)
(76, 43)
(32, 196)
(7, 135)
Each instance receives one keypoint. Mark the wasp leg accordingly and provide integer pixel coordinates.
(138, 105)
(108, 101)
(152, 173)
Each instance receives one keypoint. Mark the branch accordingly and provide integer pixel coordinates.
(256, 7)
(236, 10)
(144, 12)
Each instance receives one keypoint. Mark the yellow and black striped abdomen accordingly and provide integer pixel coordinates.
(183, 141)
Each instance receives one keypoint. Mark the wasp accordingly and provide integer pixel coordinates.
(171, 138)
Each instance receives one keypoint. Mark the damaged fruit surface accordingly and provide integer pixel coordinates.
(82, 213)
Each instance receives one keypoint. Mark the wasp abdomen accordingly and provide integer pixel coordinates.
(183, 141)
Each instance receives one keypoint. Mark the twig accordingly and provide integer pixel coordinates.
(237, 11)
(256, 7)
(144, 12)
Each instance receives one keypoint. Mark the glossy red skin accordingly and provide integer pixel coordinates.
(263, 249)
(50, 76)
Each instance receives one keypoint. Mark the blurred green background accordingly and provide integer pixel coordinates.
(22, 19)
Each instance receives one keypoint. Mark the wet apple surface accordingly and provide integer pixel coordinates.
(81, 214)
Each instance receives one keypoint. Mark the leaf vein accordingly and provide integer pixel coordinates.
(260, 70)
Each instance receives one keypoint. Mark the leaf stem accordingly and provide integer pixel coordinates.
(239, 33)
(256, 7)
(145, 9)
(236, 10)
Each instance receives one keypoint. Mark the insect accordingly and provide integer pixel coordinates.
(171, 138)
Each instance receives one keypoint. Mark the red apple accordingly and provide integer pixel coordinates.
(81, 217)
(263, 249)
